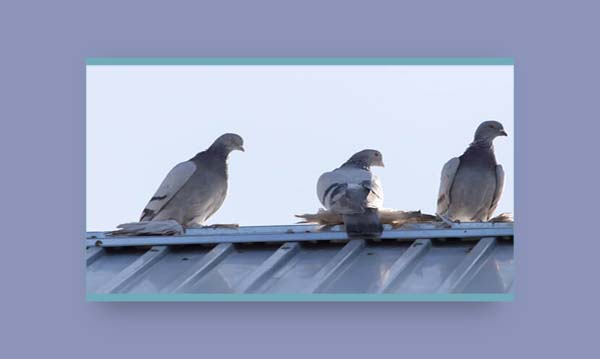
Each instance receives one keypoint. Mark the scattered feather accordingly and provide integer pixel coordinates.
(387, 216)
(503, 218)
(323, 217)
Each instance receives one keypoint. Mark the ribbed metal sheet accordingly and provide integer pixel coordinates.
(419, 258)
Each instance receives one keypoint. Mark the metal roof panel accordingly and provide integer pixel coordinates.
(419, 258)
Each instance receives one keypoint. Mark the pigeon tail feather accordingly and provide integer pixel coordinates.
(364, 225)
(149, 228)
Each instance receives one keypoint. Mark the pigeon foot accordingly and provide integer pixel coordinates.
(228, 226)
(447, 222)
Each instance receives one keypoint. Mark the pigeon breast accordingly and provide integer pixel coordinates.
(474, 186)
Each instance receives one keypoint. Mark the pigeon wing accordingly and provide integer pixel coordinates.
(175, 180)
(499, 189)
(375, 196)
(446, 181)
(329, 182)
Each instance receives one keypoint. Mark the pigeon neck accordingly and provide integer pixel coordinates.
(212, 160)
(211, 155)
(218, 151)
(482, 144)
(482, 148)
(357, 164)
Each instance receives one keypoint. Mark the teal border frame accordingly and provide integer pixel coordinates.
(286, 61)
(314, 297)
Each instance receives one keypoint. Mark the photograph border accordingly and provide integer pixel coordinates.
(278, 297)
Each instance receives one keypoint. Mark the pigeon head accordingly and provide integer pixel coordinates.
(228, 142)
(489, 130)
(366, 158)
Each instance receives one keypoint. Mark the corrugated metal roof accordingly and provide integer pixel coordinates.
(417, 258)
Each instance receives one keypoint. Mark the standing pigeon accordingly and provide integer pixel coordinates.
(471, 185)
(192, 192)
(195, 189)
(355, 193)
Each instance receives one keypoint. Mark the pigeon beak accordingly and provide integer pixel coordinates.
(381, 164)
(503, 133)
(241, 148)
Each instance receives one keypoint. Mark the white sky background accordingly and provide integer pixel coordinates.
(297, 122)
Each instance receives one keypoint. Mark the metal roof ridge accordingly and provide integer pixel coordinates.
(299, 233)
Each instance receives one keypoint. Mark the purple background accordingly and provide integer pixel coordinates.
(42, 83)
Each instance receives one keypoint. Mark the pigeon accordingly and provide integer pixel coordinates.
(355, 193)
(471, 185)
(192, 191)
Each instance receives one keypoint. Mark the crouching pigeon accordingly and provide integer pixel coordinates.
(192, 191)
(471, 185)
(355, 193)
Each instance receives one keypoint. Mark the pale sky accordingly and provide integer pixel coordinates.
(297, 122)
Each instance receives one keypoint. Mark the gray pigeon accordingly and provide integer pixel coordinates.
(471, 185)
(195, 189)
(355, 193)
